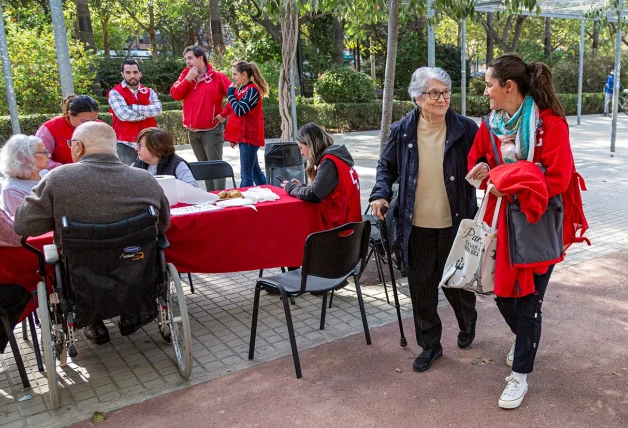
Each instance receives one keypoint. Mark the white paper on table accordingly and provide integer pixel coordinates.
(237, 202)
(194, 209)
(188, 194)
(260, 194)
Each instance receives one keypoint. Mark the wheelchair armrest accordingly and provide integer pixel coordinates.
(162, 242)
(51, 254)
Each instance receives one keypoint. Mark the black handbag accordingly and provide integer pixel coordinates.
(532, 243)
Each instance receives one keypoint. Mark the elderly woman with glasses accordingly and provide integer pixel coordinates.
(427, 153)
(22, 160)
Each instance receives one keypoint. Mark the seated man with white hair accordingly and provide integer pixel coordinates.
(96, 188)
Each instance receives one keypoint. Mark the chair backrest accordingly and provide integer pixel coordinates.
(212, 170)
(335, 253)
(113, 269)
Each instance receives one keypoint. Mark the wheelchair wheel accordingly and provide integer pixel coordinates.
(48, 344)
(179, 322)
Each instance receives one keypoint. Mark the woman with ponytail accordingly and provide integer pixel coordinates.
(245, 127)
(522, 153)
(57, 132)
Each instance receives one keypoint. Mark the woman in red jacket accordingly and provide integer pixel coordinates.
(245, 126)
(529, 128)
(335, 185)
(57, 132)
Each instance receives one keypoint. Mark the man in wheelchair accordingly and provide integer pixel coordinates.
(97, 189)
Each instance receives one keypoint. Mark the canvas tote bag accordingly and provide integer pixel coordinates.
(471, 261)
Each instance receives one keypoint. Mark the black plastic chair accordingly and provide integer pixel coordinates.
(329, 259)
(212, 170)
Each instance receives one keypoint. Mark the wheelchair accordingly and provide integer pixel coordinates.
(104, 271)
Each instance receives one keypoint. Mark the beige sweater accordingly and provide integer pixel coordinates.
(431, 206)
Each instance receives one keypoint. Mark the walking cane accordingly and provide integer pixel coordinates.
(387, 248)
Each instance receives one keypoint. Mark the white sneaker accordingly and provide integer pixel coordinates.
(513, 394)
(511, 354)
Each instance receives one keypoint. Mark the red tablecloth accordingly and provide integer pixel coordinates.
(230, 240)
(239, 238)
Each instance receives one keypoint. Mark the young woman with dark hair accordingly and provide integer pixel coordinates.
(156, 154)
(529, 127)
(245, 127)
(57, 132)
(334, 181)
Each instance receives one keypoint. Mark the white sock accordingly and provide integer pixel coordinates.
(522, 376)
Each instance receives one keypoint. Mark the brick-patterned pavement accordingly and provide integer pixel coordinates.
(135, 368)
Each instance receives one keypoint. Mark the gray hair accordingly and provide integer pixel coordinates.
(97, 137)
(422, 76)
(17, 158)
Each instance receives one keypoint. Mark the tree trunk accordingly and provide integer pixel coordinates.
(289, 35)
(548, 37)
(217, 38)
(85, 34)
(151, 30)
(490, 39)
(389, 80)
(596, 35)
(339, 42)
(515, 38)
(105, 37)
(459, 38)
(358, 63)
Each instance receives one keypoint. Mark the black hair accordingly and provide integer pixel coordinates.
(129, 62)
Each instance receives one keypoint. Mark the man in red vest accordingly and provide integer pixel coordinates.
(133, 108)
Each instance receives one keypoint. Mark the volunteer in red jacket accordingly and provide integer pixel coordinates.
(133, 108)
(245, 127)
(335, 184)
(57, 132)
(529, 127)
(202, 90)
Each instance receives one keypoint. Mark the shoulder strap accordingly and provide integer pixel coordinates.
(493, 143)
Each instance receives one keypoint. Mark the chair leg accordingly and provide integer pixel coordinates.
(4, 319)
(331, 298)
(31, 322)
(293, 341)
(36, 318)
(24, 330)
(190, 282)
(380, 273)
(323, 311)
(258, 289)
(362, 311)
(261, 273)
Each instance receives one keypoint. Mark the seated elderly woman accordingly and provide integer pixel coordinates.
(22, 160)
(155, 153)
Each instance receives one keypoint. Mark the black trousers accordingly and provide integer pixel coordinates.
(523, 316)
(427, 253)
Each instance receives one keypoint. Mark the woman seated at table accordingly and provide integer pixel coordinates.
(155, 153)
(22, 160)
(57, 132)
(334, 182)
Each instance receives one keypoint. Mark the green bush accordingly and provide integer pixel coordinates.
(344, 85)
(476, 86)
(165, 106)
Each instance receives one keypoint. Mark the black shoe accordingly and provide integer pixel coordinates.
(427, 357)
(97, 332)
(130, 324)
(465, 338)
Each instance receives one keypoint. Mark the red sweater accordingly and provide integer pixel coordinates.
(553, 151)
(202, 100)
(62, 131)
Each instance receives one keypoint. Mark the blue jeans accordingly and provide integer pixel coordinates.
(250, 172)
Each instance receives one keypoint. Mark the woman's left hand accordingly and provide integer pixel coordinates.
(233, 145)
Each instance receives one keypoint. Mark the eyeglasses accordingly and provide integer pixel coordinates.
(69, 142)
(139, 146)
(43, 152)
(435, 95)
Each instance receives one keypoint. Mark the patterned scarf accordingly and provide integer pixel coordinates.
(517, 133)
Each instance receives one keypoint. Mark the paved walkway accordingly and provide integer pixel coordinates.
(138, 367)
